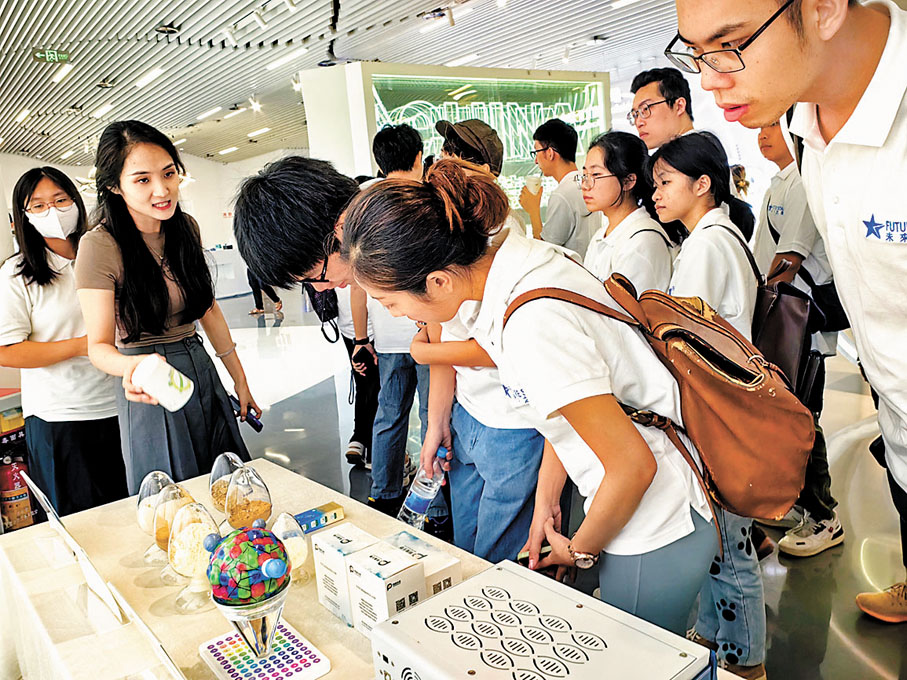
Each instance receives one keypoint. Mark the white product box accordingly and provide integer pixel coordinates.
(384, 581)
(442, 570)
(331, 549)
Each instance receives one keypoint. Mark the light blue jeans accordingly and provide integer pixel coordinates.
(493, 476)
(399, 378)
(731, 601)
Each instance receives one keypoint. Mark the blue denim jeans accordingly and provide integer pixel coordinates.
(493, 477)
(399, 378)
(731, 601)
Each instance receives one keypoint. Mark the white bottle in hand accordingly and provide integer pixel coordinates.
(422, 493)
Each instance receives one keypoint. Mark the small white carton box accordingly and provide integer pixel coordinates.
(384, 581)
(331, 549)
(442, 570)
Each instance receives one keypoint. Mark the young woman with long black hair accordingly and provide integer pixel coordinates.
(422, 250)
(143, 283)
(615, 181)
(69, 405)
(692, 184)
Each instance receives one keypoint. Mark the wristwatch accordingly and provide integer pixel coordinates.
(582, 560)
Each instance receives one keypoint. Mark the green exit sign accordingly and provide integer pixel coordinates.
(50, 56)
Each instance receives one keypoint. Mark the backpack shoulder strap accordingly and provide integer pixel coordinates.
(655, 231)
(571, 297)
(760, 280)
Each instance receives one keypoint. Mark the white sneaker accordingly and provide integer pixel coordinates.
(793, 518)
(810, 537)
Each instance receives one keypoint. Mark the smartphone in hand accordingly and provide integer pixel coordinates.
(523, 557)
(252, 420)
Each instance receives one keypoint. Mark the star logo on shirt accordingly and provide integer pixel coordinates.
(873, 227)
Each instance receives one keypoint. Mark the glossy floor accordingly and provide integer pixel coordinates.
(814, 628)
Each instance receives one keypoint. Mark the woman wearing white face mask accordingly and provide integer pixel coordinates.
(70, 410)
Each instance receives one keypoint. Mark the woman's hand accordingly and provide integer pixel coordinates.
(134, 393)
(435, 438)
(540, 518)
(559, 554)
(246, 401)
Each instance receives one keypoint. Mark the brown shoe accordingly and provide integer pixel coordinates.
(748, 672)
(890, 605)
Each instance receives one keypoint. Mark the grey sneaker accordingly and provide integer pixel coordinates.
(793, 517)
(811, 537)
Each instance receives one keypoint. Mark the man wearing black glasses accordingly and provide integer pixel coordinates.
(845, 64)
(662, 107)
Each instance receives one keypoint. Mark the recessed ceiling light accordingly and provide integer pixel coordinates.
(61, 73)
(210, 112)
(67, 155)
(286, 59)
(617, 4)
(255, 133)
(235, 112)
(462, 60)
(148, 77)
(224, 152)
(23, 114)
(167, 29)
(255, 104)
(179, 141)
(107, 83)
(102, 111)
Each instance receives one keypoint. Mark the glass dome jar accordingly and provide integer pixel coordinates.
(248, 498)
(294, 540)
(149, 494)
(219, 480)
(171, 498)
(188, 556)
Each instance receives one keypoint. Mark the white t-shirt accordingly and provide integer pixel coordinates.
(479, 388)
(638, 248)
(345, 315)
(391, 334)
(68, 390)
(855, 185)
(554, 353)
(568, 221)
(713, 265)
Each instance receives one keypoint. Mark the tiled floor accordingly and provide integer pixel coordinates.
(814, 628)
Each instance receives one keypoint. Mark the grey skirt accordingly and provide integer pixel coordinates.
(183, 444)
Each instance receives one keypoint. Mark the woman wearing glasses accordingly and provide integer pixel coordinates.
(692, 184)
(69, 405)
(143, 283)
(422, 250)
(632, 243)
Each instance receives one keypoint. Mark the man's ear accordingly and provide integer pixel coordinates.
(680, 106)
(824, 17)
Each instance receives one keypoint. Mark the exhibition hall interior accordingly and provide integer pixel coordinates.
(272, 400)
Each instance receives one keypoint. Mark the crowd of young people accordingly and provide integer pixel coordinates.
(433, 255)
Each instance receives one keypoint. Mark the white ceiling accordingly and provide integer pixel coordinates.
(117, 42)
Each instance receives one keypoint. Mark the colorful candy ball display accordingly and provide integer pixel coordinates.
(248, 566)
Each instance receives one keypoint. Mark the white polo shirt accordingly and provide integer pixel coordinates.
(855, 185)
(68, 390)
(712, 265)
(345, 315)
(391, 334)
(554, 353)
(638, 248)
(568, 221)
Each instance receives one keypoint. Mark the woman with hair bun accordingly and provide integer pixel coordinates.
(422, 249)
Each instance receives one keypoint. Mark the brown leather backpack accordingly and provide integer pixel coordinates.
(752, 433)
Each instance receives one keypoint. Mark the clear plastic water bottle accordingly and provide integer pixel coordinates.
(422, 493)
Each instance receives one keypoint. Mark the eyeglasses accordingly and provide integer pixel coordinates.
(63, 203)
(643, 111)
(728, 60)
(330, 246)
(535, 152)
(585, 181)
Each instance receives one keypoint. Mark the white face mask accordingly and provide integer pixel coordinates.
(56, 223)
